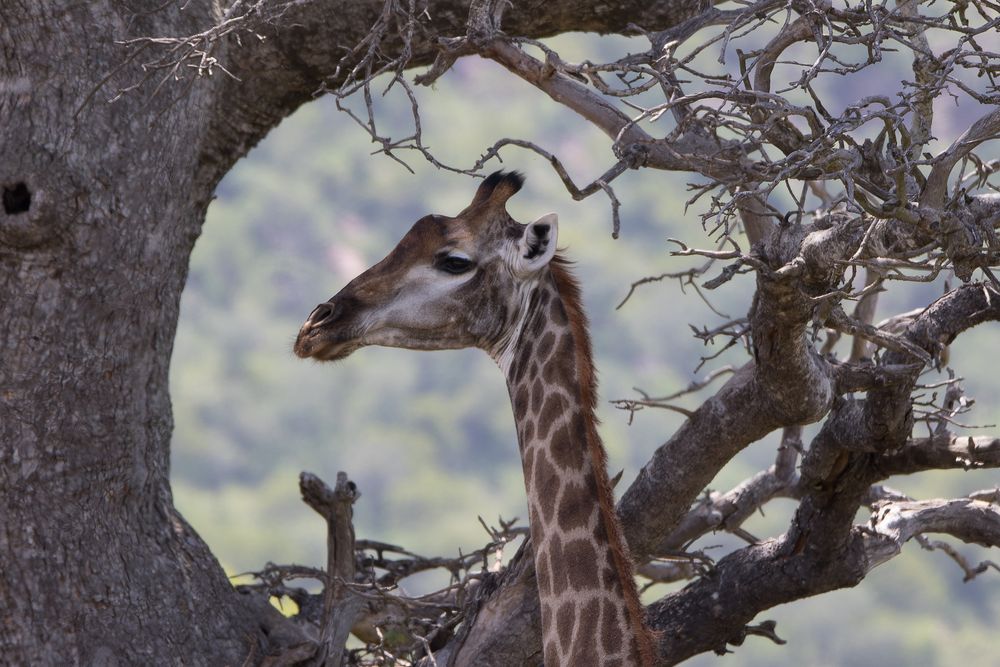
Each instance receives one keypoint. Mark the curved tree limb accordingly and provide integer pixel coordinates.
(775, 572)
(895, 523)
(936, 190)
(941, 453)
(282, 53)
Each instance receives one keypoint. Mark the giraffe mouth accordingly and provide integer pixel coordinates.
(322, 345)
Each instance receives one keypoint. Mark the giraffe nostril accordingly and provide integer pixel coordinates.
(323, 314)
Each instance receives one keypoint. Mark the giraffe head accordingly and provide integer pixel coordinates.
(451, 282)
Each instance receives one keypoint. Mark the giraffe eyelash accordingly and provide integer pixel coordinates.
(453, 264)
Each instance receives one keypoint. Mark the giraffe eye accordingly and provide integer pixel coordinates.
(454, 264)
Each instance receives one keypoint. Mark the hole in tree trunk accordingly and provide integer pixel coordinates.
(16, 198)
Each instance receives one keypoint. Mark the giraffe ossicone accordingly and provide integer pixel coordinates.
(482, 279)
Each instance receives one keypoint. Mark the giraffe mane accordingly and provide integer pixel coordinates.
(569, 290)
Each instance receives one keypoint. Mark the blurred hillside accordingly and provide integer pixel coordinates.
(429, 437)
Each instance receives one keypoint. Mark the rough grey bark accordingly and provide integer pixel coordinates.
(102, 203)
(96, 567)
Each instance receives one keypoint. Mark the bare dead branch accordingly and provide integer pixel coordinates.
(602, 183)
(987, 127)
(358, 599)
(840, 321)
(864, 313)
(717, 511)
(970, 571)
(894, 523)
(339, 609)
(942, 452)
(668, 571)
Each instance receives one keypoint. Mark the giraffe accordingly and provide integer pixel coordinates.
(481, 279)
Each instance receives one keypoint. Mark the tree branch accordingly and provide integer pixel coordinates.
(728, 511)
(895, 523)
(723, 602)
(936, 189)
(339, 607)
(282, 53)
(942, 453)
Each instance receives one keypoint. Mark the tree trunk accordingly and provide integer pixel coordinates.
(101, 210)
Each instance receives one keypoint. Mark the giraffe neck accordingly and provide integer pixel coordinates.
(590, 608)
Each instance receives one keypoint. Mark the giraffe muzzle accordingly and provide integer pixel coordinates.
(323, 335)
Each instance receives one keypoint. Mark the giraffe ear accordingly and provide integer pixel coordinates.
(537, 245)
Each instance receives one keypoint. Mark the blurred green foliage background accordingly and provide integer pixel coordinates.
(429, 437)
